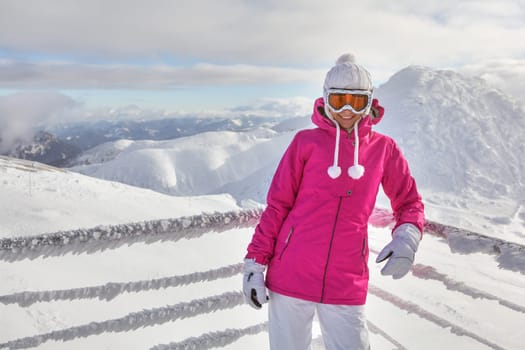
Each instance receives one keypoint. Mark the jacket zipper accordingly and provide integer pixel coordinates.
(286, 242)
(330, 248)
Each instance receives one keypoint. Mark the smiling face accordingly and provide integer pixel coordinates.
(346, 119)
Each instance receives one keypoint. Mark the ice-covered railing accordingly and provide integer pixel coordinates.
(110, 290)
(461, 241)
(214, 339)
(509, 255)
(135, 320)
(112, 236)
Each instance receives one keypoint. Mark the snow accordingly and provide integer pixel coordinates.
(37, 199)
(94, 263)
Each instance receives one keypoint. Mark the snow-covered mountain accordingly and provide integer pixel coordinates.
(86, 135)
(60, 144)
(44, 148)
(460, 135)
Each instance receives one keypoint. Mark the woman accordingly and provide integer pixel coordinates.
(312, 237)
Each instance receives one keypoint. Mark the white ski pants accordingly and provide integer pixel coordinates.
(290, 324)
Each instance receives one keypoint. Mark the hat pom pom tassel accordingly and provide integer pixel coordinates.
(334, 171)
(356, 171)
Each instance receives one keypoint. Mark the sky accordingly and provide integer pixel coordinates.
(201, 55)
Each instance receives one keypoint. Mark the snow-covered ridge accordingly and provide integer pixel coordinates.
(27, 165)
(460, 135)
(187, 166)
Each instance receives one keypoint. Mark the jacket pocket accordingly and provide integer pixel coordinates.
(286, 242)
(364, 251)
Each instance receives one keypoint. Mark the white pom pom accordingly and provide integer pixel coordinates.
(346, 58)
(356, 171)
(334, 171)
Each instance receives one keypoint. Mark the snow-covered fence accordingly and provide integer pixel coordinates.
(509, 255)
(112, 236)
(214, 339)
(110, 290)
(134, 320)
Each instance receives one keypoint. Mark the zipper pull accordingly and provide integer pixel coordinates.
(289, 235)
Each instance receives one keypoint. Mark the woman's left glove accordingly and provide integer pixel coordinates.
(253, 284)
(400, 251)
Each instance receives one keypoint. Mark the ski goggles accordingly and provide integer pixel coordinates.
(357, 101)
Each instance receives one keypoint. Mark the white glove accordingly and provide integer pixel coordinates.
(253, 284)
(400, 251)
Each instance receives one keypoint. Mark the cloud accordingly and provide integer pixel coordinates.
(506, 75)
(308, 34)
(162, 44)
(290, 107)
(22, 114)
(62, 75)
(264, 107)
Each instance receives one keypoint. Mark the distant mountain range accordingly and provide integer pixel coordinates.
(460, 136)
(59, 145)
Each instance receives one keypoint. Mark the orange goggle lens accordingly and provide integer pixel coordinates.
(339, 100)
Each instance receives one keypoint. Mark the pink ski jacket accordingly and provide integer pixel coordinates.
(313, 234)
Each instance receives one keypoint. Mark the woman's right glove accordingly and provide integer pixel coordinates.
(253, 284)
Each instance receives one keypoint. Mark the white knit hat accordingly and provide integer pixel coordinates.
(346, 74)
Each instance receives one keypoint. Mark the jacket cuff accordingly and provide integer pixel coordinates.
(257, 259)
(250, 265)
(407, 226)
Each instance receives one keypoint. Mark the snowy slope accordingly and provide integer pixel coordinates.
(36, 198)
(185, 166)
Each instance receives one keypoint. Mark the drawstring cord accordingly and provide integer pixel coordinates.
(334, 171)
(356, 171)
